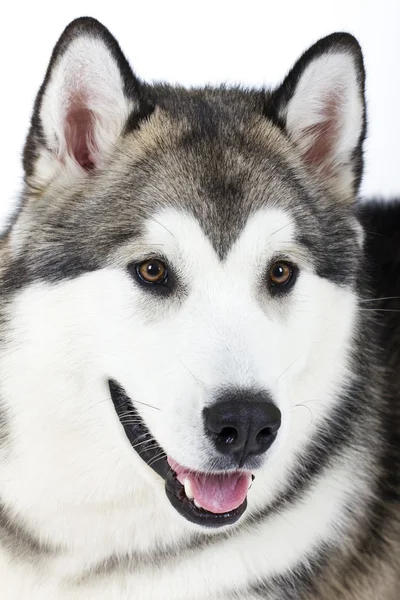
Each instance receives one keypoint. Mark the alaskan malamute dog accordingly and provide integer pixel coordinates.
(200, 340)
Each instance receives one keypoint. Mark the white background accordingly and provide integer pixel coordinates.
(250, 42)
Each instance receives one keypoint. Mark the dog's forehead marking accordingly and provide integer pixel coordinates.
(267, 231)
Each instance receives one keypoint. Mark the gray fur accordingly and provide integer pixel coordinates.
(222, 154)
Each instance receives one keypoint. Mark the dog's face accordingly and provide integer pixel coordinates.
(183, 272)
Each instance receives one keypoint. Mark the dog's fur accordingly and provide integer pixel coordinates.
(217, 182)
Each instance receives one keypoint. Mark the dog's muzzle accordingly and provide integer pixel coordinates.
(237, 429)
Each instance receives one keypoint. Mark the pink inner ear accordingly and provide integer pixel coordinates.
(324, 137)
(79, 134)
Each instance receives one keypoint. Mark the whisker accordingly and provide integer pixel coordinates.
(145, 442)
(163, 226)
(287, 369)
(96, 404)
(189, 371)
(153, 447)
(143, 435)
(301, 405)
(157, 458)
(146, 404)
(132, 415)
(378, 299)
(280, 229)
(308, 401)
(125, 412)
(130, 411)
(380, 309)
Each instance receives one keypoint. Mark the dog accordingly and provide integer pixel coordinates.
(200, 340)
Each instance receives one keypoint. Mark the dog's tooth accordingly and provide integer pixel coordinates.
(197, 504)
(188, 489)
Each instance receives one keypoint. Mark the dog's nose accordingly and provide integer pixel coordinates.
(242, 423)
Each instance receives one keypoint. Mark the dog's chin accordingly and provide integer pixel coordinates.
(206, 499)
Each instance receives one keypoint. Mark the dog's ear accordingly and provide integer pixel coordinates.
(321, 107)
(88, 99)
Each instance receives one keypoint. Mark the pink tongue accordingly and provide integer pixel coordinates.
(216, 493)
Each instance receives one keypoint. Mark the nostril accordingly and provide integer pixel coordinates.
(227, 435)
(264, 436)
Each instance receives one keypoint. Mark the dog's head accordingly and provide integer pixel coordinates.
(180, 284)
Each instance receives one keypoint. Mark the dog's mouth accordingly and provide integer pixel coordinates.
(208, 499)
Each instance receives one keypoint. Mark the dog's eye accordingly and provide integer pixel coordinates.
(281, 274)
(152, 271)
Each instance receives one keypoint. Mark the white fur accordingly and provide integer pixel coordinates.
(92, 494)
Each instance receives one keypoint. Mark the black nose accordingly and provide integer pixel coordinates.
(242, 423)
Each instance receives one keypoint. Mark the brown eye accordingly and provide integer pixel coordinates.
(152, 271)
(280, 274)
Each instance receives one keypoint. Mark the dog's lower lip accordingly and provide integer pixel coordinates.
(150, 453)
